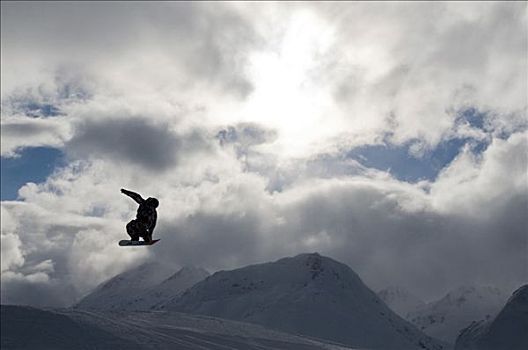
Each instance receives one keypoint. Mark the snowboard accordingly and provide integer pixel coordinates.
(127, 242)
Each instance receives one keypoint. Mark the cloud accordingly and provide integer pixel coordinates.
(367, 71)
(470, 182)
(52, 260)
(11, 254)
(19, 132)
(58, 63)
(246, 135)
(408, 68)
(179, 43)
(391, 232)
(18, 289)
(427, 236)
(130, 140)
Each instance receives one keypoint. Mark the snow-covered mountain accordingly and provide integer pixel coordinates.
(118, 292)
(446, 317)
(33, 329)
(307, 294)
(400, 300)
(142, 288)
(169, 288)
(508, 330)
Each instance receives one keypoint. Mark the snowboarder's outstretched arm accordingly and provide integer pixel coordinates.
(135, 196)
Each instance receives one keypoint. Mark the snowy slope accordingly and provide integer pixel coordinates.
(508, 330)
(169, 288)
(400, 300)
(445, 318)
(123, 289)
(307, 294)
(34, 329)
(29, 328)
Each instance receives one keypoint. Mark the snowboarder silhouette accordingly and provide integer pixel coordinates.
(146, 216)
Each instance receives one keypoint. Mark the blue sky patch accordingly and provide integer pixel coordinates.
(402, 165)
(35, 109)
(33, 165)
(473, 117)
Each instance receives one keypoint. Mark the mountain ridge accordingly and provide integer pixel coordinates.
(400, 300)
(142, 287)
(446, 317)
(307, 294)
(507, 330)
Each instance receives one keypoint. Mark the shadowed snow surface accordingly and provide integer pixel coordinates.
(30, 328)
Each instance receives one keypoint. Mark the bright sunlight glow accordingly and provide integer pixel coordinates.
(286, 97)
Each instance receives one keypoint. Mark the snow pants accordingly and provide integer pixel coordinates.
(136, 229)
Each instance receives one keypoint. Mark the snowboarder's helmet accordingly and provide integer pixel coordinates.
(152, 202)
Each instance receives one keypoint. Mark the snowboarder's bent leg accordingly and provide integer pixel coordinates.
(137, 229)
(147, 237)
(143, 233)
(134, 230)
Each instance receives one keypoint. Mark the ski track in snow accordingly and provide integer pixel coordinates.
(141, 331)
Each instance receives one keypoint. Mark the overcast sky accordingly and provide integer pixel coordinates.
(389, 136)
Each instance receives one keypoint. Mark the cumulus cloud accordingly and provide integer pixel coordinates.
(239, 118)
(246, 135)
(180, 44)
(130, 140)
(19, 132)
(387, 230)
(408, 68)
(425, 236)
(471, 181)
(47, 259)
(11, 255)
